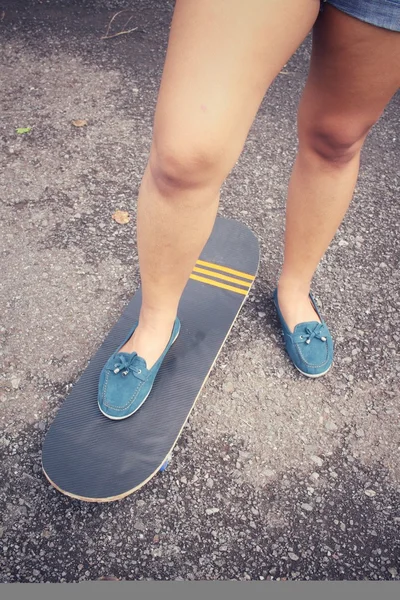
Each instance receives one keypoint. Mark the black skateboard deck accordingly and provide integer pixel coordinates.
(92, 458)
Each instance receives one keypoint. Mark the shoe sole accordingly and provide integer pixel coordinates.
(314, 376)
(144, 399)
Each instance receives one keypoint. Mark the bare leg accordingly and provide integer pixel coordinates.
(355, 70)
(222, 56)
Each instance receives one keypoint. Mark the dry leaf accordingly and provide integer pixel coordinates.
(79, 123)
(121, 217)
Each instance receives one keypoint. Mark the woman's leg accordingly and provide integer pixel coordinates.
(222, 56)
(355, 70)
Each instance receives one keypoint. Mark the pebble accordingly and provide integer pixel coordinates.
(212, 511)
(317, 460)
(331, 426)
(210, 482)
(293, 556)
(228, 387)
(393, 571)
(15, 381)
(360, 433)
(306, 507)
(370, 493)
(140, 526)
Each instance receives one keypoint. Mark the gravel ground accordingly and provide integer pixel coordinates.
(277, 477)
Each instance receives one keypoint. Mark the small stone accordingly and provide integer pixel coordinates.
(343, 243)
(317, 460)
(331, 426)
(41, 425)
(210, 482)
(269, 473)
(370, 493)
(35, 572)
(140, 526)
(156, 539)
(360, 433)
(15, 381)
(228, 387)
(314, 476)
(212, 511)
(293, 556)
(261, 314)
(307, 507)
(393, 571)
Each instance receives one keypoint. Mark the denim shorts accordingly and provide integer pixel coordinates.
(382, 13)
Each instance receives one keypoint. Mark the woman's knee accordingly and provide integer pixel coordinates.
(182, 163)
(335, 140)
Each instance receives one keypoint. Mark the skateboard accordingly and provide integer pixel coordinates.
(91, 458)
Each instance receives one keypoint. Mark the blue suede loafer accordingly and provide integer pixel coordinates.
(125, 382)
(310, 345)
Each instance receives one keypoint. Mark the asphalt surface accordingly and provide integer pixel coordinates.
(276, 476)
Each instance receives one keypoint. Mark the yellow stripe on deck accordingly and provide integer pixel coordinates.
(203, 263)
(224, 286)
(223, 277)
